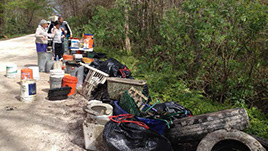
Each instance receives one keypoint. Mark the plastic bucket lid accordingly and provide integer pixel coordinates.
(70, 79)
(72, 63)
(68, 57)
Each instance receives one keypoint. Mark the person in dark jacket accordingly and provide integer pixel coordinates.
(66, 30)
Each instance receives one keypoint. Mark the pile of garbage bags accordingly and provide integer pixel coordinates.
(136, 124)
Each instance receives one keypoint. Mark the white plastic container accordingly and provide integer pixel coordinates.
(36, 75)
(57, 73)
(11, 70)
(55, 78)
(78, 57)
(28, 91)
(75, 43)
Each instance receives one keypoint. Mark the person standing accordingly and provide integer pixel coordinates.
(41, 36)
(57, 40)
(65, 29)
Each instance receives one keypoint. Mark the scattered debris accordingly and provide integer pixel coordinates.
(10, 108)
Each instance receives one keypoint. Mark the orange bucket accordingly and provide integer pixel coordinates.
(26, 73)
(70, 81)
(68, 57)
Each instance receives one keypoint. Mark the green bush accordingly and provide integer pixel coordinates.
(206, 55)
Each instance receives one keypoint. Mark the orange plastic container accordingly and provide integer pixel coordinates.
(26, 73)
(87, 60)
(90, 39)
(70, 81)
(68, 57)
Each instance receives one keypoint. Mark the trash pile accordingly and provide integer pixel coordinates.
(120, 114)
(119, 107)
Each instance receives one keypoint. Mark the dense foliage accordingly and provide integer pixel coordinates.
(22, 16)
(206, 55)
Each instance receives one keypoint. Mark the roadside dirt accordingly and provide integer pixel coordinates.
(41, 125)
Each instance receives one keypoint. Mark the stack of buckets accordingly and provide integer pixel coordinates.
(68, 80)
(28, 86)
(58, 79)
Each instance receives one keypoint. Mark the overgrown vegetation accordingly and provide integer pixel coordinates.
(206, 55)
(22, 16)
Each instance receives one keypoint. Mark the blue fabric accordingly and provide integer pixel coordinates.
(154, 124)
(41, 47)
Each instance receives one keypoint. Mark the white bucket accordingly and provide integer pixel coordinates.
(36, 75)
(11, 70)
(57, 73)
(55, 78)
(28, 91)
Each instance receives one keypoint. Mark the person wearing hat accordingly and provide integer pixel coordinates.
(41, 36)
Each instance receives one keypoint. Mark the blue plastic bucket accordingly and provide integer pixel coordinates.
(154, 124)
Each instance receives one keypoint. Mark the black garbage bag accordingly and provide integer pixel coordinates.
(96, 63)
(172, 110)
(101, 93)
(111, 67)
(123, 133)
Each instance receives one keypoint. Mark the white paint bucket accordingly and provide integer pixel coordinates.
(36, 75)
(55, 78)
(11, 70)
(57, 73)
(28, 91)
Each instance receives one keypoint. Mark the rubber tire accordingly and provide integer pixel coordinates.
(208, 142)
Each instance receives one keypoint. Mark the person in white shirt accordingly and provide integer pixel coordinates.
(58, 34)
(41, 36)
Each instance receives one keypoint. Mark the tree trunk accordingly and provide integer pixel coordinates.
(195, 128)
(127, 40)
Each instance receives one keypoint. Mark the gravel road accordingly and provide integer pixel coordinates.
(41, 125)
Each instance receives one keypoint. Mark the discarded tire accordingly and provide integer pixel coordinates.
(196, 127)
(59, 93)
(222, 140)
